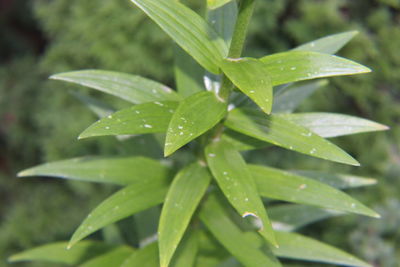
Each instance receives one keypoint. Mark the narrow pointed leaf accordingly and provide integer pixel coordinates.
(278, 131)
(188, 30)
(243, 142)
(295, 246)
(296, 66)
(250, 76)
(237, 184)
(214, 4)
(194, 116)
(340, 181)
(213, 214)
(126, 202)
(114, 257)
(333, 125)
(329, 44)
(58, 252)
(99, 108)
(144, 257)
(186, 254)
(222, 16)
(286, 186)
(290, 217)
(144, 118)
(188, 74)
(185, 193)
(115, 170)
(131, 88)
(290, 98)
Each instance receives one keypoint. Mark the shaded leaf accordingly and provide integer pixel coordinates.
(341, 181)
(115, 170)
(146, 224)
(185, 193)
(296, 66)
(222, 15)
(194, 116)
(295, 246)
(243, 142)
(278, 131)
(96, 106)
(112, 258)
(250, 76)
(286, 186)
(58, 252)
(329, 44)
(144, 257)
(213, 215)
(290, 217)
(213, 4)
(291, 97)
(188, 74)
(237, 184)
(140, 119)
(129, 87)
(186, 254)
(134, 198)
(188, 30)
(333, 125)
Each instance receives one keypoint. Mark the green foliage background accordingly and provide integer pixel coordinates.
(40, 119)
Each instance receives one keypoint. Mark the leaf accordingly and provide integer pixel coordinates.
(236, 182)
(290, 217)
(194, 116)
(296, 66)
(115, 170)
(188, 74)
(340, 181)
(286, 186)
(295, 246)
(146, 224)
(140, 119)
(97, 107)
(58, 252)
(188, 30)
(214, 4)
(131, 88)
(126, 202)
(290, 98)
(214, 215)
(185, 255)
(144, 257)
(250, 76)
(185, 193)
(222, 15)
(333, 125)
(329, 44)
(242, 142)
(278, 131)
(111, 258)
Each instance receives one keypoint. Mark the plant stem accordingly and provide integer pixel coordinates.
(246, 8)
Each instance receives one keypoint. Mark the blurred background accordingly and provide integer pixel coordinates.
(40, 119)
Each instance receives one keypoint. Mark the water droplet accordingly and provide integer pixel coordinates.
(353, 205)
(211, 155)
(107, 128)
(109, 116)
(180, 133)
(293, 68)
(147, 126)
(154, 91)
(312, 151)
(137, 111)
(225, 173)
(291, 147)
(302, 186)
(246, 199)
(312, 44)
(159, 103)
(251, 91)
(180, 127)
(171, 111)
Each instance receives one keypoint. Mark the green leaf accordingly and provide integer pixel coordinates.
(131, 88)
(96, 106)
(214, 4)
(333, 125)
(295, 246)
(146, 224)
(242, 142)
(278, 131)
(329, 44)
(296, 66)
(291, 97)
(290, 217)
(340, 181)
(126, 202)
(186, 254)
(144, 257)
(214, 215)
(194, 116)
(185, 193)
(250, 76)
(58, 252)
(114, 257)
(115, 170)
(140, 119)
(236, 181)
(286, 186)
(222, 15)
(188, 74)
(188, 30)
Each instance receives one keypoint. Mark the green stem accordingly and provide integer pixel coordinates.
(246, 8)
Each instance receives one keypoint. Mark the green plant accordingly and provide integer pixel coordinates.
(214, 202)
